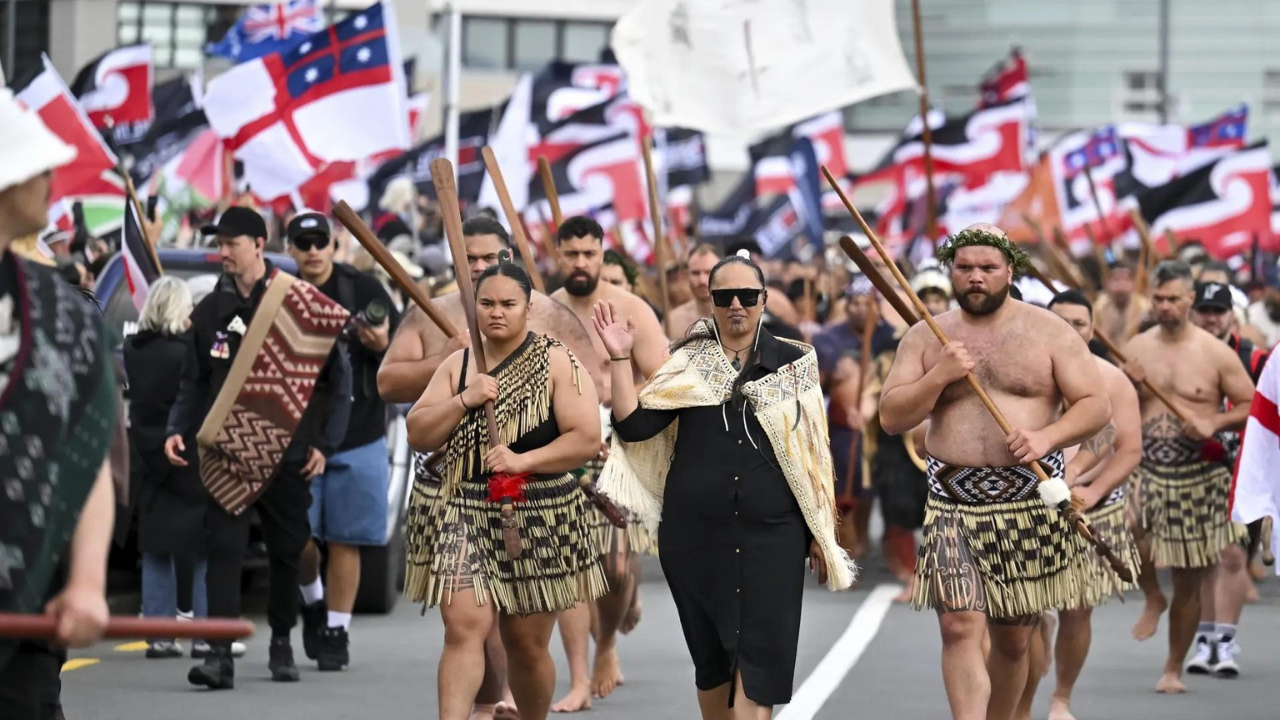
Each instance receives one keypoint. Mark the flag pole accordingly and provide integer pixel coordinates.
(513, 217)
(453, 67)
(926, 132)
(659, 239)
(132, 196)
(1097, 206)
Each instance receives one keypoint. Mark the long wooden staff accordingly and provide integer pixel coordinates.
(513, 217)
(926, 132)
(44, 627)
(553, 200)
(351, 220)
(864, 367)
(1070, 513)
(1111, 348)
(1097, 206)
(659, 239)
(447, 193)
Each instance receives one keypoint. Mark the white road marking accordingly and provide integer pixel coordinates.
(842, 656)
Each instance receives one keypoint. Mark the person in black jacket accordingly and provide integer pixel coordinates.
(169, 500)
(349, 500)
(241, 235)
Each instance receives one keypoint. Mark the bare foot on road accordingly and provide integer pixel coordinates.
(606, 675)
(1170, 684)
(577, 700)
(1150, 620)
(1060, 710)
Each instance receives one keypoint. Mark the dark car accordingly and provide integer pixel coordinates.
(381, 567)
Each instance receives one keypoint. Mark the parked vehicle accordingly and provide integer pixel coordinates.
(381, 567)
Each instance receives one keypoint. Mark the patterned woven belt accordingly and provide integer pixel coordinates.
(986, 485)
(1170, 451)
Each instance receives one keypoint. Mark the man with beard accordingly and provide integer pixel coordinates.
(701, 260)
(1226, 587)
(1183, 488)
(996, 553)
(416, 351)
(1118, 312)
(580, 242)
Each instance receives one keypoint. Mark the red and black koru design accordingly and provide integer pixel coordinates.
(268, 409)
(991, 546)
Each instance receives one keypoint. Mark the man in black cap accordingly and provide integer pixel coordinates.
(1226, 586)
(219, 325)
(349, 500)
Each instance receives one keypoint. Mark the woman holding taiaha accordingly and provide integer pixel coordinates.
(727, 445)
(548, 425)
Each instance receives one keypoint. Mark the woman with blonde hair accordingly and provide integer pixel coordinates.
(169, 500)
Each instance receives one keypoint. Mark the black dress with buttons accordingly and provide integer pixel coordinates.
(733, 541)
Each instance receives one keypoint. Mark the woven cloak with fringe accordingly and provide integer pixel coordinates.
(559, 565)
(789, 406)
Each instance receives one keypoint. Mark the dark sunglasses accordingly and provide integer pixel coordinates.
(306, 242)
(747, 296)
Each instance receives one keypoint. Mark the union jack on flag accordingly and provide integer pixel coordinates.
(1226, 130)
(1101, 146)
(270, 28)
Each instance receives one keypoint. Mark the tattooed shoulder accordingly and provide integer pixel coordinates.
(1102, 441)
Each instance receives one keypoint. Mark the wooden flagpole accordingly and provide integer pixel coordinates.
(513, 217)
(1071, 514)
(659, 238)
(553, 200)
(132, 195)
(926, 132)
(864, 367)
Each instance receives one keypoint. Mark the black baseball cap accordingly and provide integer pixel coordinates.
(1215, 296)
(307, 223)
(237, 221)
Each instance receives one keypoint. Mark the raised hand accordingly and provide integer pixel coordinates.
(617, 336)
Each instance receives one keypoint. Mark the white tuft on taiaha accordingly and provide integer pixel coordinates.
(741, 68)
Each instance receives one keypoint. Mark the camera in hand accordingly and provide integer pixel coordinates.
(373, 315)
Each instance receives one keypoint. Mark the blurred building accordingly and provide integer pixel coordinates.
(1091, 61)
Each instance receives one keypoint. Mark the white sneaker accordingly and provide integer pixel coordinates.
(237, 649)
(1203, 662)
(1227, 665)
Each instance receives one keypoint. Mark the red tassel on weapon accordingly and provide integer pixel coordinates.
(506, 487)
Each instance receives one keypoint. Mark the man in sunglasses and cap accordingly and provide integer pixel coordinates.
(349, 499)
(267, 424)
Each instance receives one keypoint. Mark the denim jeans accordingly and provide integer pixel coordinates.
(160, 586)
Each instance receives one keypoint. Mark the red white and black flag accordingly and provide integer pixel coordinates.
(140, 269)
(1222, 205)
(975, 146)
(1006, 81)
(473, 134)
(115, 89)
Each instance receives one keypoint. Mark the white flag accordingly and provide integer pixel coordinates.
(743, 68)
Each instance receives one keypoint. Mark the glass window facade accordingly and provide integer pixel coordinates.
(494, 43)
(177, 32)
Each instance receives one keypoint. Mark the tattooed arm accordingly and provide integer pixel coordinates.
(1119, 442)
(1092, 452)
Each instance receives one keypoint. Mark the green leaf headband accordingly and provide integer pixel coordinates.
(1016, 256)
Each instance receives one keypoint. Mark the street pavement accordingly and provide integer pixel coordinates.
(860, 657)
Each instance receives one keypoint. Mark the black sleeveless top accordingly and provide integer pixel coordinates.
(545, 432)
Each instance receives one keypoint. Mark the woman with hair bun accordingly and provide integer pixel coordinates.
(548, 425)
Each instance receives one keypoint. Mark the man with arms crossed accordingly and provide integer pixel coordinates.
(1183, 496)
(994, 555)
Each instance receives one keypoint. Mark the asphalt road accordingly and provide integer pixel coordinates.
(860, 657)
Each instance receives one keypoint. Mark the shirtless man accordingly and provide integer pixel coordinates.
(1032, 364)
(701, 260)
(1098, 472)
(1183, 497)
(418, 348)
(580, 243)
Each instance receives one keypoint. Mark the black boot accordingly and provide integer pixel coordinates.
(218, 672)
(334, 643)
(315, 617)
(281, 662)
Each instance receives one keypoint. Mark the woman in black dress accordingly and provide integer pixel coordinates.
(727, 446)
(170, 501)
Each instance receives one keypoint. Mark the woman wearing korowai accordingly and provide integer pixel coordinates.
(727, 446)
(548, 423)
